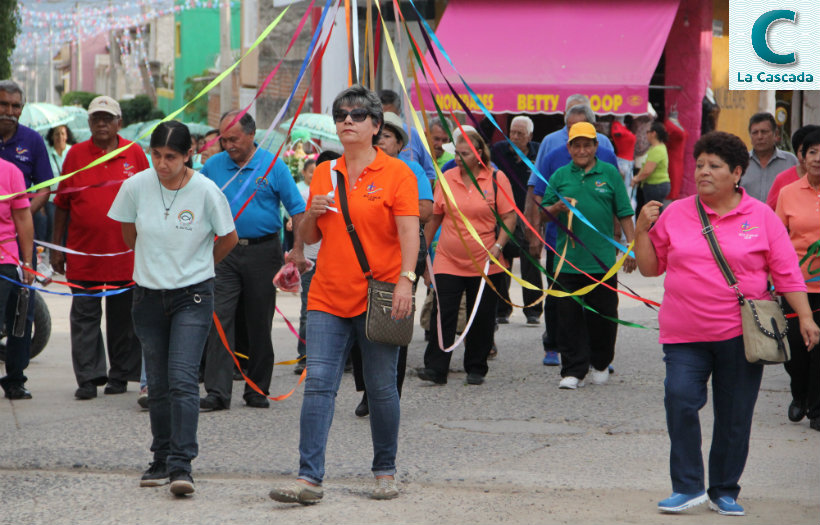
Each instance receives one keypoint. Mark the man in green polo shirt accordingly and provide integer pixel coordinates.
(584, 338)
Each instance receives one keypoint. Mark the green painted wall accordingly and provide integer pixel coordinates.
(199, 47)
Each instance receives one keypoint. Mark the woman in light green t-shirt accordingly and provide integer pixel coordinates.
(654, 175)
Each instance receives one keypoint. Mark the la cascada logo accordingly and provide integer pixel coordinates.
(771, 47)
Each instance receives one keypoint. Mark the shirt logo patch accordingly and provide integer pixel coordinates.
(746, 229)
(601, 186)
(128, 169)
(22, 154)
(261, 181)
(371, 192)
(185, 220)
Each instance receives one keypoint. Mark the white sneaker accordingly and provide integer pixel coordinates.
(570, 383)
(600, 377)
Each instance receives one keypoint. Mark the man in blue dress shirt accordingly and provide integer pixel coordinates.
(244, 171)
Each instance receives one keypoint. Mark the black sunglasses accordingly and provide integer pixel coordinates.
(357, 115)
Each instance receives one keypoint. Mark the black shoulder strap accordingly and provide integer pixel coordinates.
(709, 232)
(341, 193)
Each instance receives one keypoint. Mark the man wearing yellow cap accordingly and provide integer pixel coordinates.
(596, 189)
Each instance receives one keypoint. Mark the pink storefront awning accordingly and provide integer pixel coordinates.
(527, 56)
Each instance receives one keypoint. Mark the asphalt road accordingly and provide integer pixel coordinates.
(516, 449)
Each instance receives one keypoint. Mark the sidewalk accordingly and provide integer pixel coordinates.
(515, 450)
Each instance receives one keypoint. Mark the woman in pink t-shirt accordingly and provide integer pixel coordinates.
(700, 325)
(456, 273)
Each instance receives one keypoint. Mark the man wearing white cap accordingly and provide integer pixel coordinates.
(81, 223)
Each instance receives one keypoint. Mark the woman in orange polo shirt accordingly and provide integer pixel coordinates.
(455, 271)
(798, 206)
(384, 208)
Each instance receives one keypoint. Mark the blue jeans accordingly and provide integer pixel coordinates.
(735, 384)
(172, 326)
(328, 343)
(307, 278)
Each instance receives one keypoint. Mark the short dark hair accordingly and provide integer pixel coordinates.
(247, 123)
(211, 132)
(327, 155)
(358, 96)
(11, 87)
(800, 134)
(660, 130)
(175, 135)
(308, 163)
(69, 136)
(388, 96)
(764, 116)
(812, 139)
(727, 146)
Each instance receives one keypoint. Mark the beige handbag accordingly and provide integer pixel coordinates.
(764, 325)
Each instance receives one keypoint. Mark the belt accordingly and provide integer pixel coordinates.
(257, 240)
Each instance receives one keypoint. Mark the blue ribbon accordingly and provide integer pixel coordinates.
(305, 63)
(104, 293)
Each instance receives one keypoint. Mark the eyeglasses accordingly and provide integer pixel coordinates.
(357, 115)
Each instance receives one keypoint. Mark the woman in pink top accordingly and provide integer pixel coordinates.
(700, 326)
(798, 206)
(455, 272)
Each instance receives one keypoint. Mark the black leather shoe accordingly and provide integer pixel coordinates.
(114, 387)
(796, 412)
(299, 368)
(87, 390)
(257, 401)
(362, 410)
(211, 404)
(17, 392)
(426, 374)
(475, 379)
(813, 422)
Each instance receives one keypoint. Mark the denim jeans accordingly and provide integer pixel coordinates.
(328, 343)
(306, 278)
(172, 326)
(735, 383)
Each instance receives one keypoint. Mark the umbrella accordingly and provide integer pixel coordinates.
(78, 123)
(133, 131)
(42, 116)
(319, 125)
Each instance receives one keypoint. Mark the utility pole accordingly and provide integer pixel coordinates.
(79, 83)
(50, 92)
(226, 86)
(112, 53)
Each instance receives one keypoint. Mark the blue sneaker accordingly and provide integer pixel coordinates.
(551, 359)
(727, 506)
(678, 502)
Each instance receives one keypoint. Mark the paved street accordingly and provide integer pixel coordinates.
(514, 450)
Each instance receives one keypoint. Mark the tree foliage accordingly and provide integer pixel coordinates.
(81, 98)
(199, 109)
(9, 28)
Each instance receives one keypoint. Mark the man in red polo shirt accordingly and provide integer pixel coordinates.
(90, 231)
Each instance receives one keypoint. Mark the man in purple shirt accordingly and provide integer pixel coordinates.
(24, 148)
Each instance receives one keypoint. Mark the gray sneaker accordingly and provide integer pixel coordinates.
(297, 492)
(386, 488)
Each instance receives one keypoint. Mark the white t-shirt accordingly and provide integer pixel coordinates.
(311, 250)
(176, 250)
